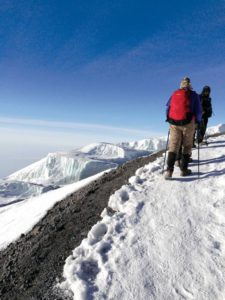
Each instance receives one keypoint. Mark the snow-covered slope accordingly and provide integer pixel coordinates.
(216, 129)
(151, 145)
(111, 151)
(12, 191)
(60, 168)
(20, 217)
(64, 168)
(164, 241)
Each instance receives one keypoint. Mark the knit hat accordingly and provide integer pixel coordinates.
(186, 83)
(206, 89)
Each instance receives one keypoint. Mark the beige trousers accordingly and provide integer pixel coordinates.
(181, 136)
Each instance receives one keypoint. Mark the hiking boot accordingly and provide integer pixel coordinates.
(185, 172)
(170, 165)
(184, 161)
(171, 160)
(168, 174)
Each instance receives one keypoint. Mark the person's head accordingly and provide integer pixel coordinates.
(206, 90)
(186, 83)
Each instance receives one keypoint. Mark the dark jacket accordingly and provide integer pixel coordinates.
(206, 106)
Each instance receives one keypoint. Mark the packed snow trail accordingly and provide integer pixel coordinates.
(31, 266)
(166, 239)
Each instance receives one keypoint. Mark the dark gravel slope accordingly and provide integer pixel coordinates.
(30, 266)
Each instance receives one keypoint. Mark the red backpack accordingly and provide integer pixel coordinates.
(179, 110)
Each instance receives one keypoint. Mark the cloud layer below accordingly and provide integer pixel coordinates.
(24, 141)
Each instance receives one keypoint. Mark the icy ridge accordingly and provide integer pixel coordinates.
(151, 145)
(61, 168)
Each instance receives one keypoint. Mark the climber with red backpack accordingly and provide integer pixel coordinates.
(183, 110)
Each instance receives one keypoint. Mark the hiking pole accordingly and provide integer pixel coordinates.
(166, 150)
(206, 139)
(198, 161)
(198, 153)
(206, 136)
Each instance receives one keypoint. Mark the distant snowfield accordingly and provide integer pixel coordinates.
(216, 129)
(62, 168)
(20, 218)
(166, 239)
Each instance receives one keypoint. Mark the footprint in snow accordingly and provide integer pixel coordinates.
(88, 272)
(183, 292)
(217, 245)
(97, 232)
(135, 180)
(103, 250)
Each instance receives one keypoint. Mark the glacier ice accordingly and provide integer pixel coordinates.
(61, 168)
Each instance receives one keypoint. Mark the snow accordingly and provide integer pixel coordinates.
(216, 129)
(20, 218)
(61, 168)
(108, 151)
(66, 167)
(166, 239)
(151, 144)
(12, 191)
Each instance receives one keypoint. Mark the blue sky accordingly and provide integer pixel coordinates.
(76, 72)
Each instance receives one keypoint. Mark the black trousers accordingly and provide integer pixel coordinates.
(203, 127)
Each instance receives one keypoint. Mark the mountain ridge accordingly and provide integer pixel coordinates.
(62, 168)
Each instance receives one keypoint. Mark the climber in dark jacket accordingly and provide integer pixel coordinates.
(206, 111)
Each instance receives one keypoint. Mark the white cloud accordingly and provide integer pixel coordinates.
(71, 125)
